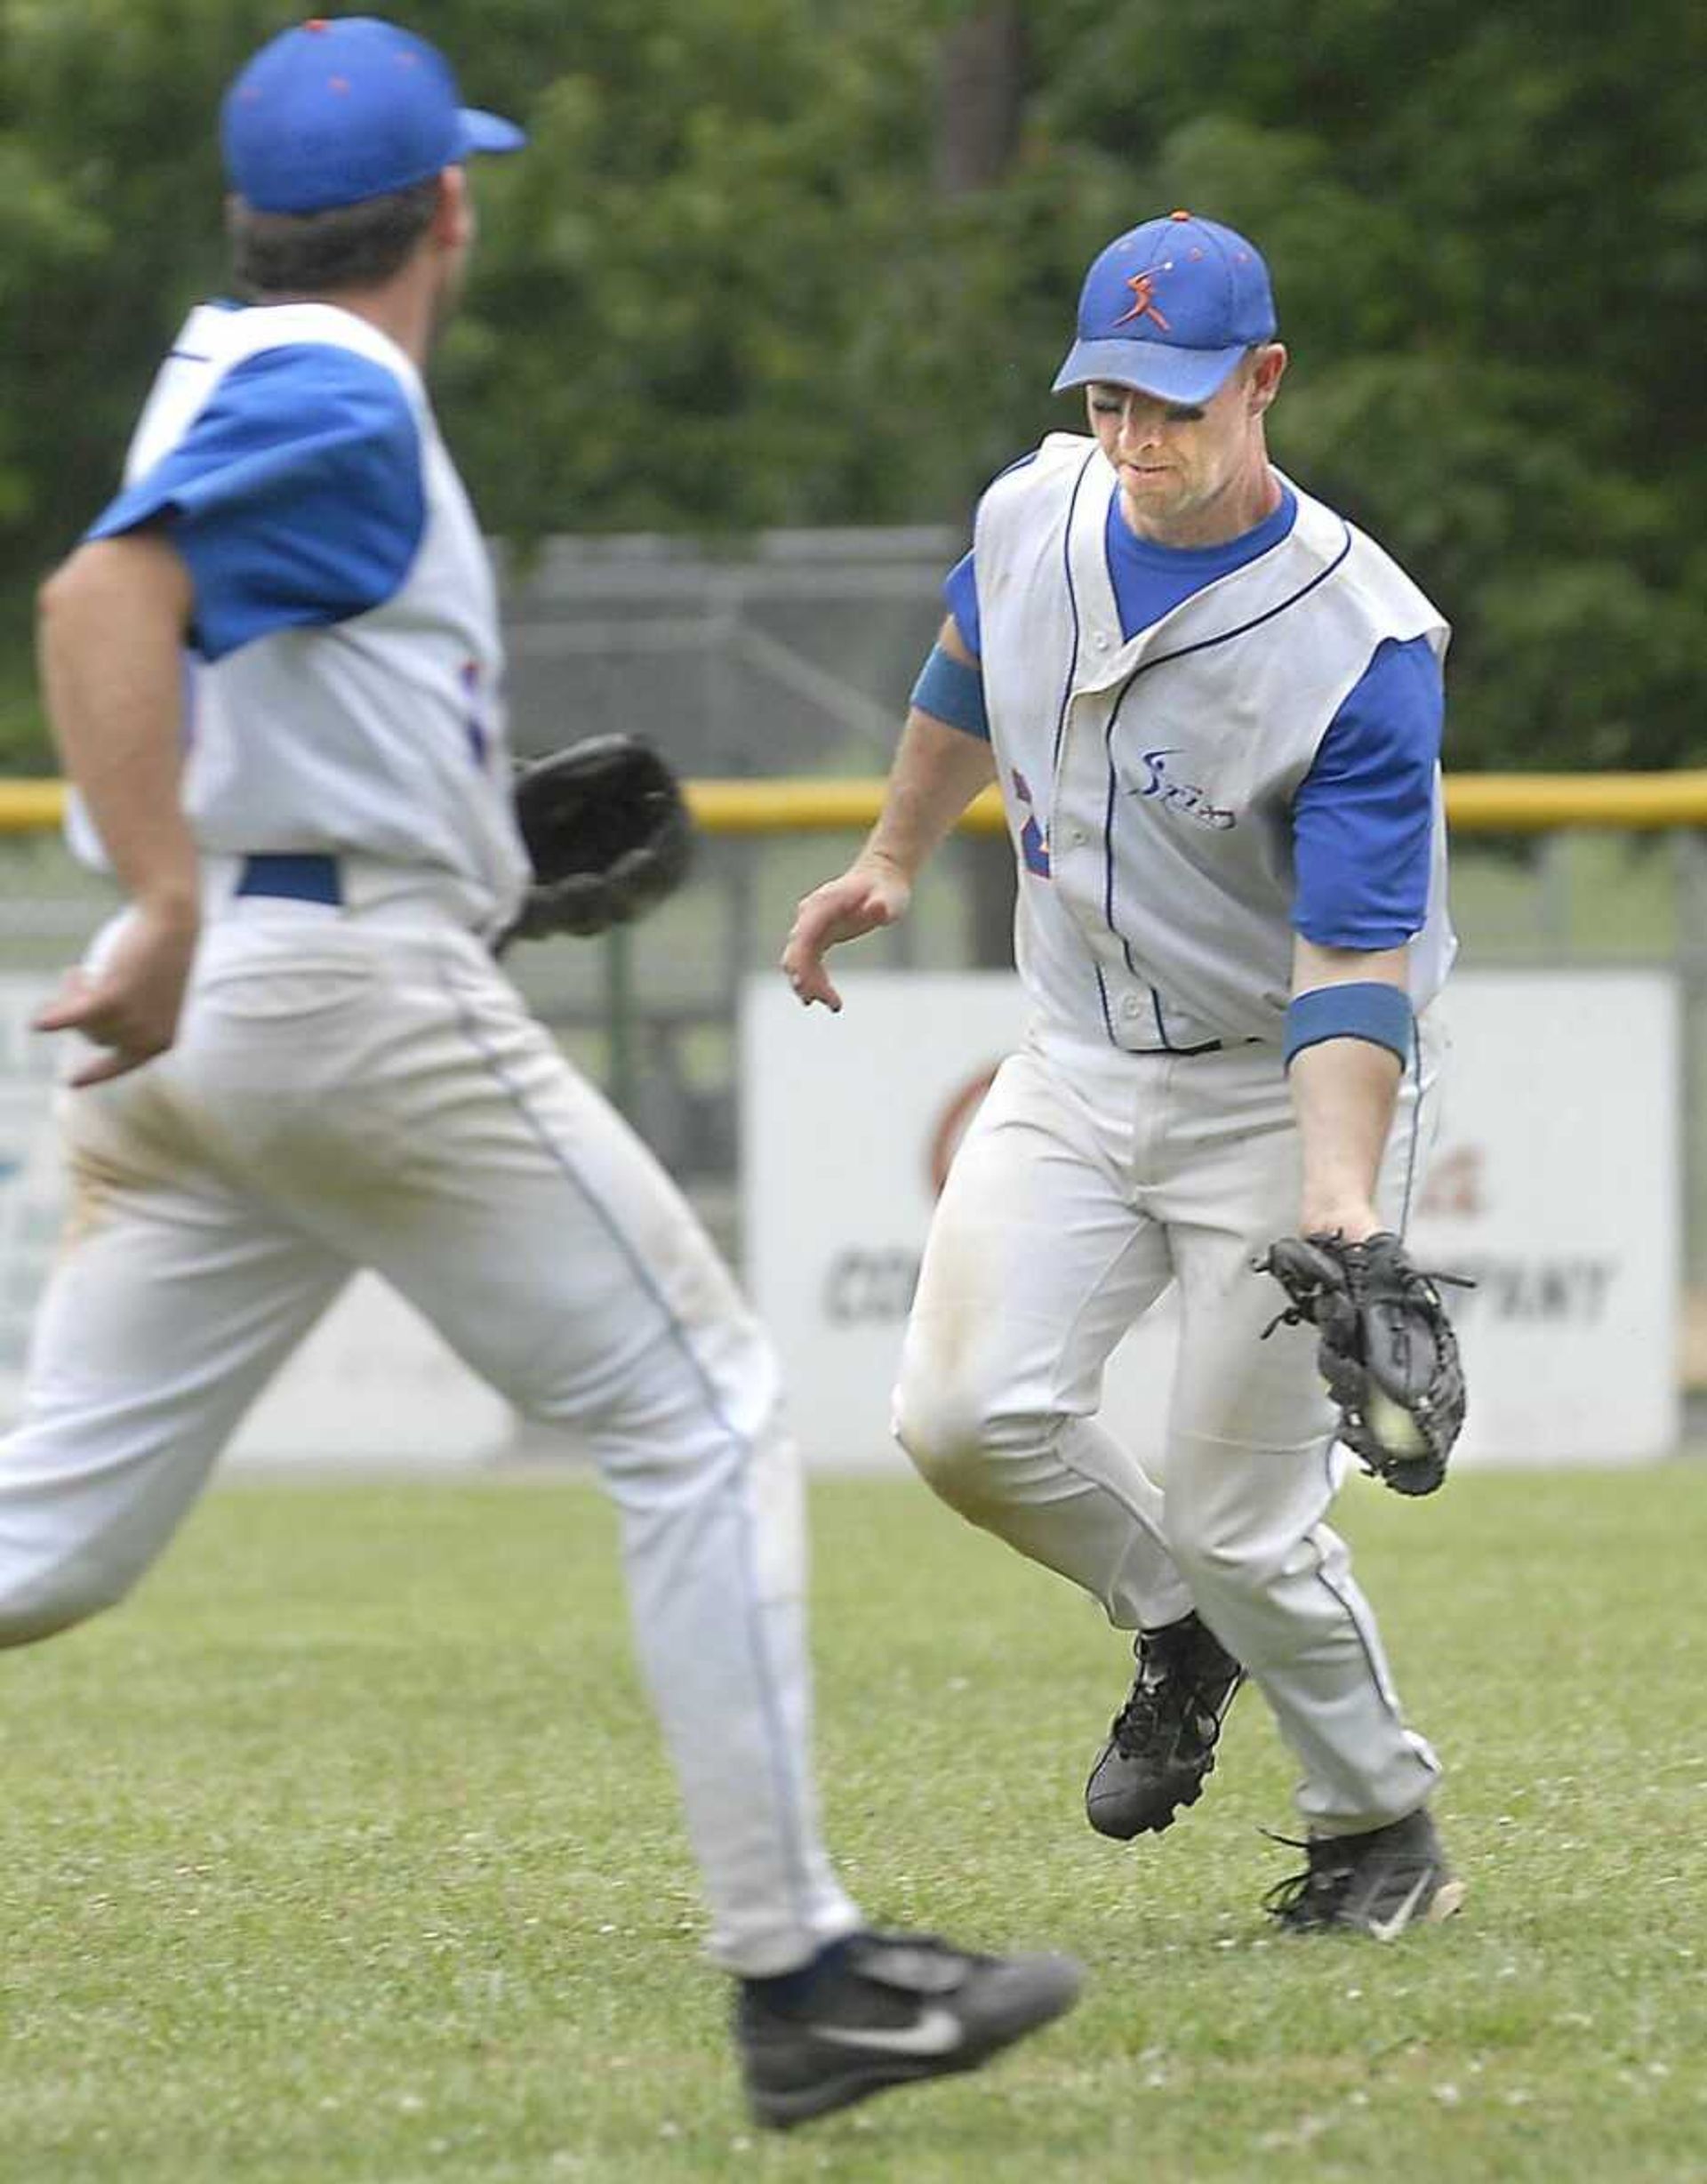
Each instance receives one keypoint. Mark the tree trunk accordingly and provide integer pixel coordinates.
(980, 88)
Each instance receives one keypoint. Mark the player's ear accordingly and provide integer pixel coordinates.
(1268, 365)
(453, 223)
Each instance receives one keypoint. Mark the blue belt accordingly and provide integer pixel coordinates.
(306, 875)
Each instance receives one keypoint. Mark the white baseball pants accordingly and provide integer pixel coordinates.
(350, 1092)
(1089, 1181)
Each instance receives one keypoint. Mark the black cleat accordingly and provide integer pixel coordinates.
(1377, 1883)
(894, 2008)
(1162, 1742)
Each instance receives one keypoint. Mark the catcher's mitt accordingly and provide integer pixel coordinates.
(1387, 1350)
(607, 832)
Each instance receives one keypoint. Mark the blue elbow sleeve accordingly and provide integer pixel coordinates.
(1367, 1008)
(949, 690)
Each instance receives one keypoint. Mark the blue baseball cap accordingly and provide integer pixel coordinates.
(344, 108)
(1170, 308)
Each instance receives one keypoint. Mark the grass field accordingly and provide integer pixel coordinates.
(345, 1851)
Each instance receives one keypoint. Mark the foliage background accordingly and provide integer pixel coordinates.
(751, 273)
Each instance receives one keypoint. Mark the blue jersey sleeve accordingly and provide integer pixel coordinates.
(1363, 818)
(295, 497)
(960, 592)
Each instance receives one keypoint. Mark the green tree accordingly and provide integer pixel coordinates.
(726, 286)
(1488, 232)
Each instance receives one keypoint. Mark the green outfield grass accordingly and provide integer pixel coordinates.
(345, 1851)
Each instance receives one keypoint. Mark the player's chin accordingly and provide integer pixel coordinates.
(1156, 498)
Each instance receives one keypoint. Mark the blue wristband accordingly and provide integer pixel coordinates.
(949, 690)
(1369, 1009)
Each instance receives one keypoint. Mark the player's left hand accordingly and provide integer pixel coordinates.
(130, 1004)
(1387, 1349)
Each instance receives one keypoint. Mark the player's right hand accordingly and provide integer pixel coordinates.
(129, 1004)
(862, 899)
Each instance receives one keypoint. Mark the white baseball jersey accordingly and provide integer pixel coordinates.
(1258, 758)
(1149, 784)
(294, 452)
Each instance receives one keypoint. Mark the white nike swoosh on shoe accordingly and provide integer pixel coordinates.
(1389, 1929)
(934, 2031)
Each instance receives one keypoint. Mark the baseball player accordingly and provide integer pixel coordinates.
(1214, 709)
(292, 1054)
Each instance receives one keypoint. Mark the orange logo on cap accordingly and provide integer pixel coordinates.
(1143, 288)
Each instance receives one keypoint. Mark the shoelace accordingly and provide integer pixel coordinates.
(1177, 1694)
(1144, 1714)
(1321, 1878)
(1139, 1719)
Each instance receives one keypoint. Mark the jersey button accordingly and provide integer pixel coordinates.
(1131, 1008)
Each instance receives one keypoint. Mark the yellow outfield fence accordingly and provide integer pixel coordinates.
(30, 806)
(1476, 804)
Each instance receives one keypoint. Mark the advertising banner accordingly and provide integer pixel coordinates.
(1555, 1185)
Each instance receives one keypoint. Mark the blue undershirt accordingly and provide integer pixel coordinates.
(1363, 816)
(295, 498)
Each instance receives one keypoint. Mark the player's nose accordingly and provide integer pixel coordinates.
(1141, 421)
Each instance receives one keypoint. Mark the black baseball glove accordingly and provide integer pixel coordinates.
(1387, 1350)
(608, 835)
